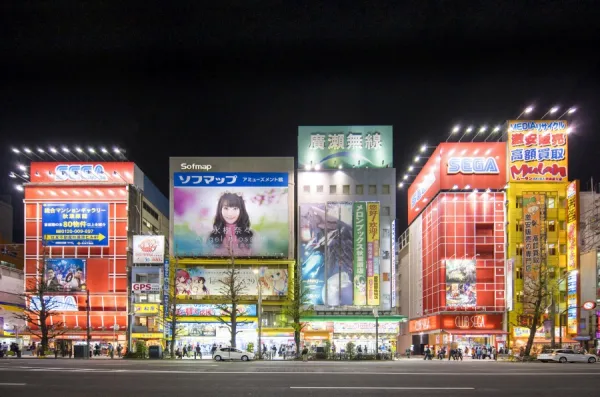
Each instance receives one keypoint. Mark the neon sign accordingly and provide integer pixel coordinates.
(79, 173)
(472, 165)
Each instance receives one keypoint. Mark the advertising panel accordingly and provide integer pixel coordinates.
(339, 254)
(1, 326)
(197, 329)
(373, 256)
(207, 281)
(461, 288)
(572, 307)
(331, 147)
(149, 249)
(65, 274)
(480, 165)
(75, 224)
(425, 186)
(394, 263)
(146, 308)
(220, 214)
(359, 224)
(572, 225)
(54, 303)
(538, 150)
(312, 251)
(510, 268)
(211, 310)
(167, 285)
(534, 214)
(90, 173)
(347, 327)
(145, 288)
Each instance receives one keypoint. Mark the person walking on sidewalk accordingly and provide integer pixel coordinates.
(305, 354)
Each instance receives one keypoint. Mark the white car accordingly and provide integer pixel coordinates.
(566, 355)
(229, 353)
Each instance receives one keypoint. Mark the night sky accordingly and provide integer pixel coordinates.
(237, 78)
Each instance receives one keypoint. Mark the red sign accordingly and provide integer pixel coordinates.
(424, 324)
(457, 322)
(458, 166)
(82, 172)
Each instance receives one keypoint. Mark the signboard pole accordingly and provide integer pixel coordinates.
(89, 323)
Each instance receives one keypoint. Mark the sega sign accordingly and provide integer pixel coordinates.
(79, 173)
(144, 288)
(472, 165)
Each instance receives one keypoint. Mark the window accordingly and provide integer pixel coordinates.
(520, 297)
(563, 202)
(385, 189)
(520, 250)
(346, 189)
(332, 189)
(552, 226)
(150, 210)
(360, 189)
(519, 202)
(385, 211)
(551, 249)
(519, 273)
(519, 226)
(551, 202)
(319, 188)
(562, 249)
(562, 225)
(385, 233)
(372, 189)
(306, 188)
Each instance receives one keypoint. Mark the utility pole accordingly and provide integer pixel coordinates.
(553, 322)
(87, 309)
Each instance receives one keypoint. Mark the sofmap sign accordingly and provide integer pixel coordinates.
(82, 172)
(538, 151)
(333, 147)
(75, 224)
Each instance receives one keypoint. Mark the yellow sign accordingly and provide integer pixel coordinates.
(98, 237)
(537, 151)
(145, 308)
(572, 225)
(373, 259)
(147, 335)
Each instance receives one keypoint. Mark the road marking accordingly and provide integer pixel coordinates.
(13, 384)
(382, 388)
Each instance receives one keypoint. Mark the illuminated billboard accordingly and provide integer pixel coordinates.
(75, 224)
(65, 274)
(461, 285)
(538, 150)
(534, 216)
(82, 172)
(572, 256)
(149, 249)
(223, 207)
(311, 252)
(333, 147)
(373, 256)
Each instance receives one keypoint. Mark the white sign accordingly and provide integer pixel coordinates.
(144, 288)
(54, 303)
(197, 167)
(148, 249)
(364, 328)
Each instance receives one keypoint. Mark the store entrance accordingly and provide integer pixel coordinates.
(64, 347)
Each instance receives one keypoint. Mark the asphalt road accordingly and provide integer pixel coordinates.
(49, 378)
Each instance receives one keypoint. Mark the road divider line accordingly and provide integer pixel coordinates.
(381, 388)
(13, 384)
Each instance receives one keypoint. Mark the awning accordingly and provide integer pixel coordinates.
(475, 332)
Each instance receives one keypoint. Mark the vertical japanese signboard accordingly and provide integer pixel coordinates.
(572, 309)
(534, 214)
(572, 225)
(373, 258)
(537, 151)
(339, 267)
(360, 251)
(394, 264)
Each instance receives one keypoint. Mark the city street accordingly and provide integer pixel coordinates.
(34, 377)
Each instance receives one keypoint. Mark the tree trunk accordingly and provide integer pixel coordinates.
(533, 327)
(233, 324)
(297, 341)
(173, 329)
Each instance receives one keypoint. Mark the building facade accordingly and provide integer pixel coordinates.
(346, 228)
(80, 219)
(11, 305)
(232, 216)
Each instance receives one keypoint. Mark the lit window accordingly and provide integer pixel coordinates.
(332, 189)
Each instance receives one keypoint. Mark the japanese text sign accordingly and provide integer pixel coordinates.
(224, 179)
(534, 215)
(146, 308)
(347, 146)
(373, 258)
(572, 225)
(75, 224)
(538, 151)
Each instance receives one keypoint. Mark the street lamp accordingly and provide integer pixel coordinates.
(259, 314)
(87, 309)
(376, 315)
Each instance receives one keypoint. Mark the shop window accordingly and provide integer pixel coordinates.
(551, 202)
(562, 225)
(552, 226)
(385, 211)
(562, 248)
(373, 189)
(360, 189)
(563, 202)
(551, 249)
(319, 188)
(519, 226)
(385, 189)
(519, 202)
(520, 296)
(519, 273)
(332, 189)
(520, 250)
(306, 188)
(552, 272)
(346, 189)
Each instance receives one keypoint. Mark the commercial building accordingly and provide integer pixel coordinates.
(232, 216)
(452, 257)
(80, 219)
(6, 215)
(346, 233)
(11, 305)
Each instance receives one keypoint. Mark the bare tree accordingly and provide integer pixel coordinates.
(232, 289)
(299, 307)
(40, 306)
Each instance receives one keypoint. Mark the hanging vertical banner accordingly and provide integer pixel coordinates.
(572, 225)
(312, 251)
(339, 254)
(534, 214)
(373, 257)
(393, 267)
(572, 315)
(360, 248)
(510, 268)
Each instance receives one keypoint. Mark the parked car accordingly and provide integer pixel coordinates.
(229, 353)
(566, 355)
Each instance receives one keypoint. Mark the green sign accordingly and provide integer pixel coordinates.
(345, 147)
(359, 224)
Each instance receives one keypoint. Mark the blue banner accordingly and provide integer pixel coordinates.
(75, 224)
(223, 179)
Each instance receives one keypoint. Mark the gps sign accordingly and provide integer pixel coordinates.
(145, 288)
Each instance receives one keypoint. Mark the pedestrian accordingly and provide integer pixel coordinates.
(305, 354)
